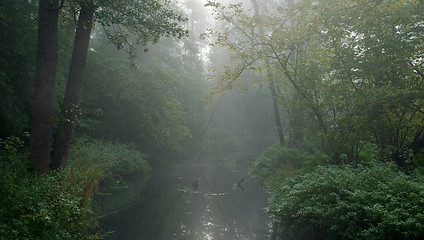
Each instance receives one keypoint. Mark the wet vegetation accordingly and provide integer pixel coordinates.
(116, 115)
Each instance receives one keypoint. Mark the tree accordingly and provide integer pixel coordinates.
(271, 86)
(243, 30)
(370, 92)
(148, 20)
(140, 106)
(74, 85)
(305, 51)
(45, 76)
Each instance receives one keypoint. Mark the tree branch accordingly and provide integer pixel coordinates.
(417, 70)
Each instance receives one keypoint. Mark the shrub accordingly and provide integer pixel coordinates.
(277, 162)
(58, 205)
(111, 157)
(124, 171)
(342, 202)
(52, 206)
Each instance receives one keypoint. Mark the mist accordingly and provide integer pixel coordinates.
(199, 119)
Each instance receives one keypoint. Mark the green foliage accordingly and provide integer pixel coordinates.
(111, 157)
(124, 171)
(277, 163)
(9, 146)
(355, 75)
(132, 22)
(351, 81)
(418, 159)
(368, 86)
(17, 64)
(140, 105)
(56, 205)
(59, 204)
(342, 202)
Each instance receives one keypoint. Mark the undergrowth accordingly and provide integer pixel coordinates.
(59, 204)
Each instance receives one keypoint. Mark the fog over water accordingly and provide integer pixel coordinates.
(227, 205)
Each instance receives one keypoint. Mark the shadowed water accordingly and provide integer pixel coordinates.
(172, 207)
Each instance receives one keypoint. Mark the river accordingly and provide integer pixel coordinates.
(171, 208)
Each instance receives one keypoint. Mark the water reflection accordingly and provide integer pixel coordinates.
(220, 206)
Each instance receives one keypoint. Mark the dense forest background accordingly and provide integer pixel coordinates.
(323, 100)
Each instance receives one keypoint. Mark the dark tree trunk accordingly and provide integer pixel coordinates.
(70, 106)
(277, 117)
(296, 122)
(272, 88)
(45, 76)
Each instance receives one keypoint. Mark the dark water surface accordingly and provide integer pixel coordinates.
(170, 208)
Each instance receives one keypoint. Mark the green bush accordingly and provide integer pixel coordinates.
(111, 157)
(125, 171)
(59, 205)
(341, 202)
(277, 162)
(52, 206)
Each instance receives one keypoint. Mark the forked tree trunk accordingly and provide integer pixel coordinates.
(73, 90)
(272, 88)
(45, 76)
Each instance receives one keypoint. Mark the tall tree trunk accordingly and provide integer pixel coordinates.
(296, 122)
(45, 76)
(274, 95)
(272, 88)
(70, 106)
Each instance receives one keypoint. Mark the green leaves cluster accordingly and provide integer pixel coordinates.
(132, 22)
(370, 75)
(124, 171)
(278, 162)
(354, 69)
(140, 105)
(111, 157)
(59, 205)
(341, 202)
(52, 206)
